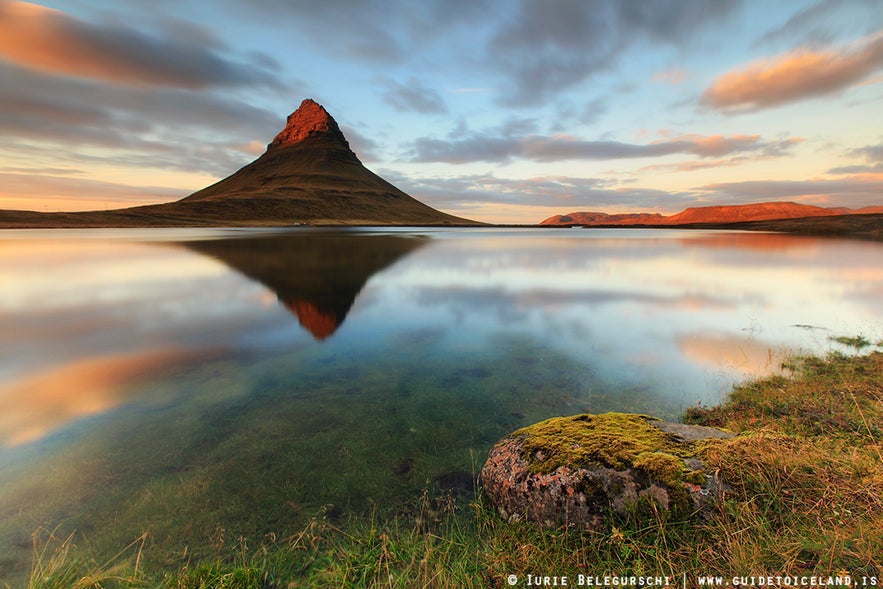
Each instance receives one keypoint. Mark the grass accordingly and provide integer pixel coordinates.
(858, 342)
(58, 564)
(805, 498)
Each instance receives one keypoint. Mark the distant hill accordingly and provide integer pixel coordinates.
(711, 215)
(597, 218)
(308, 175)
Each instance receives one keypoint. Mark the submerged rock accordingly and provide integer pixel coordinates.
(574, 471)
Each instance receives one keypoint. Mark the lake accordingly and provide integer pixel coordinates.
(209, 385)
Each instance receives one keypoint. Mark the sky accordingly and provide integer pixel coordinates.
(505, 111)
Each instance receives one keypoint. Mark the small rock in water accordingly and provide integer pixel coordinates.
(456, 481)
(403, 467)
(573, 471)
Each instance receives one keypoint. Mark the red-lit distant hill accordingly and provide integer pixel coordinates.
(711, 215)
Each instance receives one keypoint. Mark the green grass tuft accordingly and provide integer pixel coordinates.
(58, 564)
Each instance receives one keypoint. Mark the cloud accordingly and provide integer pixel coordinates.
(41, 171)
(824, 20)
(852, 192)
(153, 127)
(51, 41)
(414, 96)
(565, 193)
(593, 110)
(474, 90)
(363, 146)
(524, 51)
(857, 169)
(542, 52)
(500, 146)
(477, 148)
(872, 154)
(564, 147)
(377, 32)
(67, 192)
(796, 76)
(673, 76)
(695, 165)
(359, 29)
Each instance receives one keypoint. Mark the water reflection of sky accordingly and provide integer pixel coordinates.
(682, 310)
(675, 314)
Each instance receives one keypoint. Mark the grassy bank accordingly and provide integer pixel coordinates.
(806, 498)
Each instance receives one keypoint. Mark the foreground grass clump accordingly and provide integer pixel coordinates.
(58, 564)
(806, 473)
(806, 498)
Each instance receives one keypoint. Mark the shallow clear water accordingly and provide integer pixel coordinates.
(203, 384)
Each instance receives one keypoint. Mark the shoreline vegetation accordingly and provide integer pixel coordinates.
(805, 499)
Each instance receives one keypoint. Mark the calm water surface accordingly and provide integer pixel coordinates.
(203, 384)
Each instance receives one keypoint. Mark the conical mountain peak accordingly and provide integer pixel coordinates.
(309, 120)
(310, 175)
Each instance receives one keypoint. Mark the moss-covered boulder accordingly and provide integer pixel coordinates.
(573, 471)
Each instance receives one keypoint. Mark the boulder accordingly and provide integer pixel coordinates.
(575, 471)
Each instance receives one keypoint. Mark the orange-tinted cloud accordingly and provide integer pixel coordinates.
(796, 76)
(718, 145)
(674, 76)
(51, 41)
(51, 192)
(693, 166)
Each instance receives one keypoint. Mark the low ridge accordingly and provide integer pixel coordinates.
(718, 214)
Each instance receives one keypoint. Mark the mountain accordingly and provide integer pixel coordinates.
(308, 175)
(712, 215)
(750, 212)
(595, 218)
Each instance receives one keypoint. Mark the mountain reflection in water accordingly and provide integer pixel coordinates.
(317, 276)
